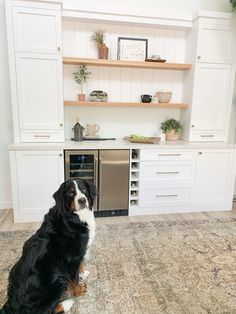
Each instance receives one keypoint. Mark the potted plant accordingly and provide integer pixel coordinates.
(233, 2)
(81, 77)
(172, 129)
(98, 38)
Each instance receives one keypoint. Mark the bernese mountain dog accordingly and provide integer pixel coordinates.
(51, 263)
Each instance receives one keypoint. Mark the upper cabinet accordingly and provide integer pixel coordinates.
(35, 61)
(39, 89)
(37, 30)
(214, 43)
(209, 85)
(210, 102)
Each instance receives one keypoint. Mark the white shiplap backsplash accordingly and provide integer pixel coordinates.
(124, 85)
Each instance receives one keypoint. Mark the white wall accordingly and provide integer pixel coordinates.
(149, 7)
(5, 116)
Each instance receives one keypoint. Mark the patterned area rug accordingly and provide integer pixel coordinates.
(154, 267)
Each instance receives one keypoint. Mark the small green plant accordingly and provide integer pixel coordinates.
(171, 125)
(81, 76)
(98, 37)
(233, 2)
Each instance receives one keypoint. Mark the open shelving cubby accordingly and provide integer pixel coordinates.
(134, 179)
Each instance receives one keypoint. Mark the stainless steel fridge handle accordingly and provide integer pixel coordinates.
(100, 180)
(95, 171)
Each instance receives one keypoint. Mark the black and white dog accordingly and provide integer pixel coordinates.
(51, 261)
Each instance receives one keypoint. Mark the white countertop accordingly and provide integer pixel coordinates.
(120, 144)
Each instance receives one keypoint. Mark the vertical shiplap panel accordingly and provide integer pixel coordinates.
(81, 39)
(125, 86)
(136, 86)
(69, 35)
(115, 84)
(180, 37)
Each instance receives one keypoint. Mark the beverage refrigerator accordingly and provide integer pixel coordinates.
(109, 171)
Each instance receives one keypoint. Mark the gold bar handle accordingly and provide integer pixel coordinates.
(41, 135)
(166, 195)
(169, 154)
(207, 135)
(168, 172)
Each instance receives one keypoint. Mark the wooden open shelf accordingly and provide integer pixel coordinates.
(124, 104)
(128, 64)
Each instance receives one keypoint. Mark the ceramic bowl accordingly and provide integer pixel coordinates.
(164, 97)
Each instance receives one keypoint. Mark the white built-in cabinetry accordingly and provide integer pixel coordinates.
(34, 40)
(209, 85)
(35, 176)
(184, 181)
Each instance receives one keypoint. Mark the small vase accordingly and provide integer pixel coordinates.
(81, 97)
(103, 52)
(172, 136)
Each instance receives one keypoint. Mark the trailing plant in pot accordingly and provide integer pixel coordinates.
(172, 129)
(98, 38)
(81, 77)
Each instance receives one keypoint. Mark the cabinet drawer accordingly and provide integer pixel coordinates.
(165, 155)
(41, 136)
(207, 136)
(159, 174)
(167, 196)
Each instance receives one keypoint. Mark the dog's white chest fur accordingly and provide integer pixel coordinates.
(87, 216)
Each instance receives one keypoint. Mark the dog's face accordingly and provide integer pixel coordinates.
(75, 195)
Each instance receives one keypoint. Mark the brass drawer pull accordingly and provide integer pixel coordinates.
(168, 172)
(169, 154)
(166, 195)
(41, 135)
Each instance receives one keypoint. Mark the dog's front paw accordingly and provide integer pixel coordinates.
(80, 289)
(64, 306)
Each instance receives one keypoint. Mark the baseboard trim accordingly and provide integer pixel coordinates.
(5, 205)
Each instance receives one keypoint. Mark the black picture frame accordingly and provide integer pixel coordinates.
(132, 49)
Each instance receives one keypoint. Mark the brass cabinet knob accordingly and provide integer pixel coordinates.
(60, 155)
(199, 153)
(193, 126)
(198, 57)
(61, 124)
(58, 48)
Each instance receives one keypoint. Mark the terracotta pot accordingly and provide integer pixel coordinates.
(81, 97)
(172, 136)
(103, 52)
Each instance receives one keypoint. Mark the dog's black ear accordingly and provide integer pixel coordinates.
(92, 193)
(58, 196)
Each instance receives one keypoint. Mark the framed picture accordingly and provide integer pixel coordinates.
(133, 49)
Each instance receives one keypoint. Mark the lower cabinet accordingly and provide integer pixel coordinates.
(214, 180)
(35, 176)
(185, 181)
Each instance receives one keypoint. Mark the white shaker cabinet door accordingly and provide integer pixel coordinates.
(36, 175)
(210, 98)
(214, 43)
(214, 180)
(39, 90)
(37, 30)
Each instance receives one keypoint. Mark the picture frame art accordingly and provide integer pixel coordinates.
(132, 49)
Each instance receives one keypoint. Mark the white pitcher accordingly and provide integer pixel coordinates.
(92, 129)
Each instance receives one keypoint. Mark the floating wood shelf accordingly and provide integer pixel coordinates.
(127, 64)
(124, 104)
